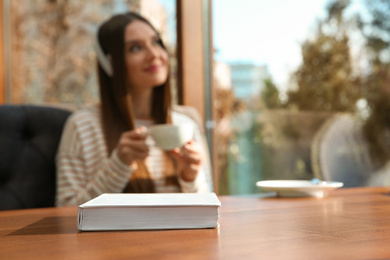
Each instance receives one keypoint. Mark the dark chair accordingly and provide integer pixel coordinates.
(29, 137)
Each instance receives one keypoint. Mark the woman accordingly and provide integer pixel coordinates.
(104, 149)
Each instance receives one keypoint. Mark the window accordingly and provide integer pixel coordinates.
(50, 43)
(301, 94)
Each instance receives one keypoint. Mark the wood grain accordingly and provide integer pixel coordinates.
(350, 223)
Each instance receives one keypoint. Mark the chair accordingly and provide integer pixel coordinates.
(29, 137)
(340, 153)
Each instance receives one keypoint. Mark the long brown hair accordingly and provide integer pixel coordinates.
(116, 101)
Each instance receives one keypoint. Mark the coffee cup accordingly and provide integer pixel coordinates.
(169, 137)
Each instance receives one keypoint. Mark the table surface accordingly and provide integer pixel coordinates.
(350, 223)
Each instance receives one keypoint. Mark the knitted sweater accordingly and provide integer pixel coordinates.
(85, 170)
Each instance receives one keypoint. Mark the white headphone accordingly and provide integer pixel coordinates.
(104, 60)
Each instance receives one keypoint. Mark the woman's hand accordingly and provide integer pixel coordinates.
(132, 146)
(188, 160)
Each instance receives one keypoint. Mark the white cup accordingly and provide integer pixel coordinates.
(168, 136)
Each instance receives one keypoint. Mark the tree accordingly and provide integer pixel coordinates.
(225, 105)
(51, 41)
(270, 95)
(376, 31)
(52, 57)
(375, 27)
(325, 81)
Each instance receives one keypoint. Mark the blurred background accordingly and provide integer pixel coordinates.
(287, 89)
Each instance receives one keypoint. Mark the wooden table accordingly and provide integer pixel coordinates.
(348, 224)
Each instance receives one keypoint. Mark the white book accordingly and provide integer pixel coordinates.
(145, 211)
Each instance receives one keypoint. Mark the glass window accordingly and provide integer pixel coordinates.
(302, 90)
(50, 42)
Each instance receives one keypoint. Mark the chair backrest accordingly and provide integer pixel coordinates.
(340, 153)
(29, 137)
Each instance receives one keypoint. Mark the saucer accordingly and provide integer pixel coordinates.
(299, 188)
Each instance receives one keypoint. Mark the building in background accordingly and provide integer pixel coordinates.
(248, 79)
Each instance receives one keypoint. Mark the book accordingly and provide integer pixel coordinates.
(148, 211)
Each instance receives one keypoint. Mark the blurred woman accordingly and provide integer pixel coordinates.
(104, 149)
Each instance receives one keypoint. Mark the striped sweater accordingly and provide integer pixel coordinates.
(84, 169)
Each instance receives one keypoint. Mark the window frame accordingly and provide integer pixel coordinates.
(2, 59)
(195, 59)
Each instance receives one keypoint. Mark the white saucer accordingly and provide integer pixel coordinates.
(298, 188)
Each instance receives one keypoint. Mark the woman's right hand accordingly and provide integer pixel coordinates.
(132, 146)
